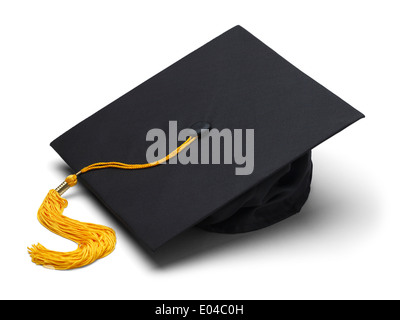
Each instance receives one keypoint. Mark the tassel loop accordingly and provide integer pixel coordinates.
(72, 180)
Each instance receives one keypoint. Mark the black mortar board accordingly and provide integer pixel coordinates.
(233, 82)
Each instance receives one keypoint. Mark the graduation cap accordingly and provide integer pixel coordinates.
(234, 82)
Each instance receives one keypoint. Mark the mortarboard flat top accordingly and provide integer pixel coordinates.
(234, 81)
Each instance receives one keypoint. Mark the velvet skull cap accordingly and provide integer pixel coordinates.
(233, 82)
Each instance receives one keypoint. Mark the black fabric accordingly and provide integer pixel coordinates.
(235, 82)
(275, 199)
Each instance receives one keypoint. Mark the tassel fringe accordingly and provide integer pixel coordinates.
(94, 241)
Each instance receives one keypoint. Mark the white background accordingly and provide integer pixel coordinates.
(60, 61)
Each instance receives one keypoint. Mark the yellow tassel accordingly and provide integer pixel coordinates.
(94, 241)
